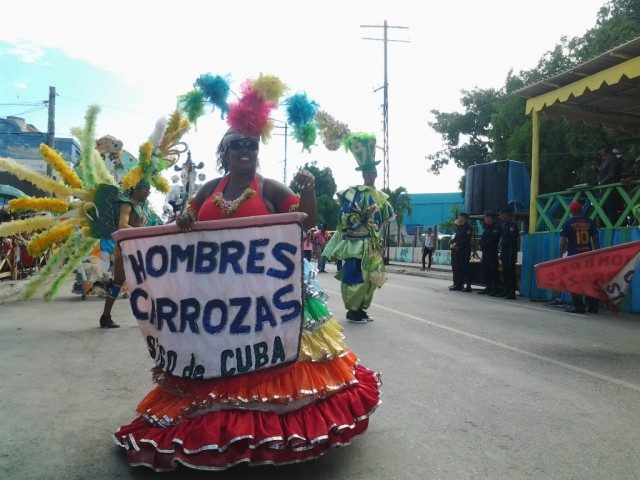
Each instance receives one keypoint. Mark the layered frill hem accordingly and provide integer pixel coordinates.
(176, 397)
(221, 439)
(324, 342)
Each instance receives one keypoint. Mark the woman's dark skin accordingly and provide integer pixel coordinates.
(242, 165)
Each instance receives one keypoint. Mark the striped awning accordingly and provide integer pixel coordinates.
(603, 91)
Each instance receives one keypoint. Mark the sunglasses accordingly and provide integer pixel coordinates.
(244, 144)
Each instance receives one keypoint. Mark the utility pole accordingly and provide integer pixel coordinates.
(286, 135)
(285, 127)
(385, 115)
(385, 95)
(51, 125)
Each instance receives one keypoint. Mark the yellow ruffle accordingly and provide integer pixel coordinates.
(324, 343)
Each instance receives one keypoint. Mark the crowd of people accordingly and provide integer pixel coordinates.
(610, 170)
(14, 248)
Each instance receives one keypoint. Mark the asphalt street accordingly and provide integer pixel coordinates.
(473, 387)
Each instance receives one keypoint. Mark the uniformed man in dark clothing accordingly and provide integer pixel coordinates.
(489, 244)
(454, 256)
(508, 252)
(462, 247)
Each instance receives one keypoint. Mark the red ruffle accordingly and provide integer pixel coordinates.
(221, 439)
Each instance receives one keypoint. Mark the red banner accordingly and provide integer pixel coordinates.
(604, 274)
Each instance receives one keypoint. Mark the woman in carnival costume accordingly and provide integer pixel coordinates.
(287, 414)
(357, 242)
(83, 207)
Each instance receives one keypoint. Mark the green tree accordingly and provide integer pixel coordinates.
(493, 126)
(466, 135)
(328, 207)
(401, 203)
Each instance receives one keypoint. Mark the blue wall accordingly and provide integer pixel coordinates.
(543, 246)
(432, 208)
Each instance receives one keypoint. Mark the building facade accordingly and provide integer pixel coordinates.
(21, 141)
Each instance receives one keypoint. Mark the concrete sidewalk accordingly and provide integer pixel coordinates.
(409, 268)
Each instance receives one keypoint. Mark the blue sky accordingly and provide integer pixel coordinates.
(134, 58)
(27, 71)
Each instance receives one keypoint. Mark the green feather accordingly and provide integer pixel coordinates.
(306, 135)
(361, 137)
(54, 262)
(88, 144)
(81, 252)
(192, 105)
(100, 168)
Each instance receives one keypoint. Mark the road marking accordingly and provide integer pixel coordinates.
(568, 366)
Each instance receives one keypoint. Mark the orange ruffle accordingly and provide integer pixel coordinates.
(175, 397)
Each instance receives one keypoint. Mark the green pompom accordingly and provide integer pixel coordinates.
(306, 135)
(192, 105)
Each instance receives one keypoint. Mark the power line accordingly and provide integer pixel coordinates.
(26, 112)
(385, 89)
(24, 104)
(105, 106)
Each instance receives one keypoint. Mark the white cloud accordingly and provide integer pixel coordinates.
(21, 85)
(28, 52)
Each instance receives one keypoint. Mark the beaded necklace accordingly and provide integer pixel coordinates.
(229, 207)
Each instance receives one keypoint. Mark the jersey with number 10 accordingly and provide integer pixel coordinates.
(578, 232)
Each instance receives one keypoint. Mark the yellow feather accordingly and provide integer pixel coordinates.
(269, 87)
(146, 150)
(172, 126)
(161, 183)
(54, 159)
(176, 128)
(44, 183)
(26, 225)
(132, 177)
(57, 234)
(39, 204)
(266, 132)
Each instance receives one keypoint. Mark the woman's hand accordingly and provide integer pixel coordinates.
(186, 221)
(305, 180)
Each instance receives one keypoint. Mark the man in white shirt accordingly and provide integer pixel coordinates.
(429, 246)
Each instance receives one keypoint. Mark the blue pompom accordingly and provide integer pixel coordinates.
(300, 110)
(215, 89)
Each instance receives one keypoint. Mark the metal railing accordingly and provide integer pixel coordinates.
(610, 206)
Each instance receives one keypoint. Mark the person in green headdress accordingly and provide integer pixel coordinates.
(132, 211)
(357, 241)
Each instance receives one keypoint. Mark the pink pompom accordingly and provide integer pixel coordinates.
(251, 113)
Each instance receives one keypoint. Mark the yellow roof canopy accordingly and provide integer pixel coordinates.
(603, 91)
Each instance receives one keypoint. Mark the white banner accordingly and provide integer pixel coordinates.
(220, 301)
(616, 288)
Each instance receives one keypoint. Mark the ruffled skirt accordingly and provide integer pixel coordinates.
(283, 415)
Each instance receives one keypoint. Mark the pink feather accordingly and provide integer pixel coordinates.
(251, 113)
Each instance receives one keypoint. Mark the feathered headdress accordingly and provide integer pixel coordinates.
(363, 147)
(332, 131)
(83, 203)
(250, 115)
(207, 89)
(158, 153)
(301, 113)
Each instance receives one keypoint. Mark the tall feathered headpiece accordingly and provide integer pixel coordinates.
(250, 114)
(81, 207)
(158, 153)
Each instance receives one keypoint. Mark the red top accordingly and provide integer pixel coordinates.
(250, 207)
